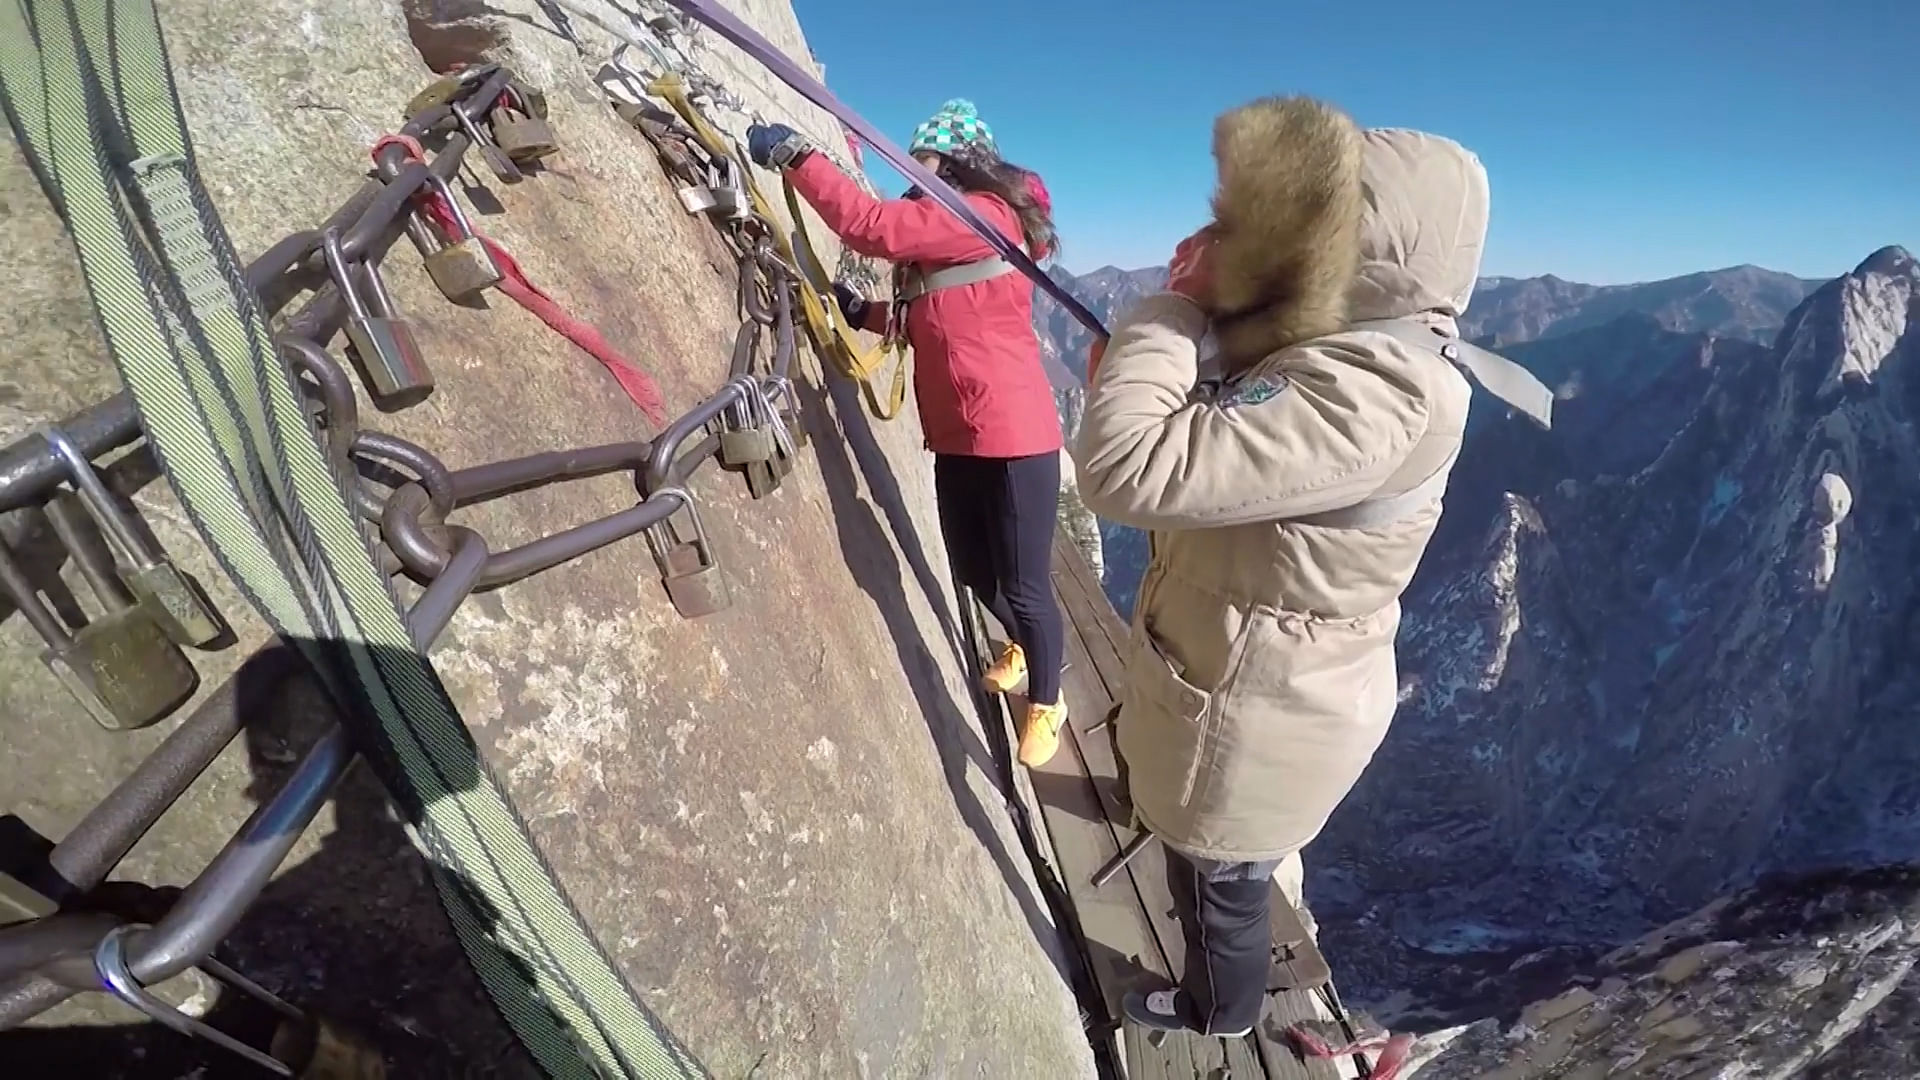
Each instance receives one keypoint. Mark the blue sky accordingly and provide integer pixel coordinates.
(1625, 140)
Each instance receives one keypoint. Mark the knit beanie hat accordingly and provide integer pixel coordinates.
(956, 128)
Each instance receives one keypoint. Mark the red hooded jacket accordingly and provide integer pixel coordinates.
(976, 375)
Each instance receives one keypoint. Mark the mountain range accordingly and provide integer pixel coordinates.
(1654, 657)
(1601, 347)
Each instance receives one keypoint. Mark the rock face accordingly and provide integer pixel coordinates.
(779, 820)
(1647, 666)
(1806, 976)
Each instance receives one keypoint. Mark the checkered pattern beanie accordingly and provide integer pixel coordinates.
(955, 129)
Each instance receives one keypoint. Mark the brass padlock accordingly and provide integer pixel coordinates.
(461, 267)
(747, 446)
(121, 667)
(764, 478)
(527, 99)
(693, 580)
(497, 161)
(168, 594)
(522, 137)
(444, 89)
(383, 345)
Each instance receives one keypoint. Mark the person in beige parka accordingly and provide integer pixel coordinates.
(1288, 502)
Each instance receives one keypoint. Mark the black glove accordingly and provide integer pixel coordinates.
(852, 304)
(775, 146)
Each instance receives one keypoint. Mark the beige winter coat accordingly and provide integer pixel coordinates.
(1261, 677)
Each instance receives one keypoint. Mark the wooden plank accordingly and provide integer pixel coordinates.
(1087, 608)
(1277, 1054)
(1120, 937)
(1298, 964)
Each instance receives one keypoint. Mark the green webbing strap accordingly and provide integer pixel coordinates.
(87, 89)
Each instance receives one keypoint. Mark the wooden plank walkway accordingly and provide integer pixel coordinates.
(1130, 935)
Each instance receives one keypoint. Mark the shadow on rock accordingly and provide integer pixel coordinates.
(354, 934)
(870, 557)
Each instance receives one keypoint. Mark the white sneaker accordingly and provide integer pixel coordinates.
(1168, 1010)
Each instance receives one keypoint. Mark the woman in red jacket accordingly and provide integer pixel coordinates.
(984, 400)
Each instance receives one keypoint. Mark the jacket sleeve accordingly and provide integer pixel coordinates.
(1322, 430)
(898, 230)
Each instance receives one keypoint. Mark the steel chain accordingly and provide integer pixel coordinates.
(405, 492)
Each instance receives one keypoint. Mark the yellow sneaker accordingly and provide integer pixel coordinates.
(1040, 735)
(1006, 672)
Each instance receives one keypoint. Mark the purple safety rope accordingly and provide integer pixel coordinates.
(728, 26)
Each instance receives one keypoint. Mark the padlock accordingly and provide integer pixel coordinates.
(121, 667)
(693, 580)
(497, 161)
(731, 200)
(764, 477)
(747, 446)
(461, 267)
(698, 199)
(788, 412)
(527, 99)
(383, 345)
(747, 437)
(522, 137)
(444, 89)
(168, 594)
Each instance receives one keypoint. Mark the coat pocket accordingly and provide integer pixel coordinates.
(1163, 729)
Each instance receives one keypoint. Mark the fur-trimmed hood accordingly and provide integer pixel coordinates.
(1317, 224)
(1286, 224)
(1424, 227)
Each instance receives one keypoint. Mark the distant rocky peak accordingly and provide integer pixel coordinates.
(1857, 324)
(1892, 260)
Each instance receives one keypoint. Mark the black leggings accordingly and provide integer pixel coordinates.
(997, 516)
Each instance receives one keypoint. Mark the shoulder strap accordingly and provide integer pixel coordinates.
(951, 277)
(1373, 512)
(1497, 375)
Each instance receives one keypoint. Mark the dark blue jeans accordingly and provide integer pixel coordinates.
(997, 517)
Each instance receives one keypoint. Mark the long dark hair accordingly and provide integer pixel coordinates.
(989, 175)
